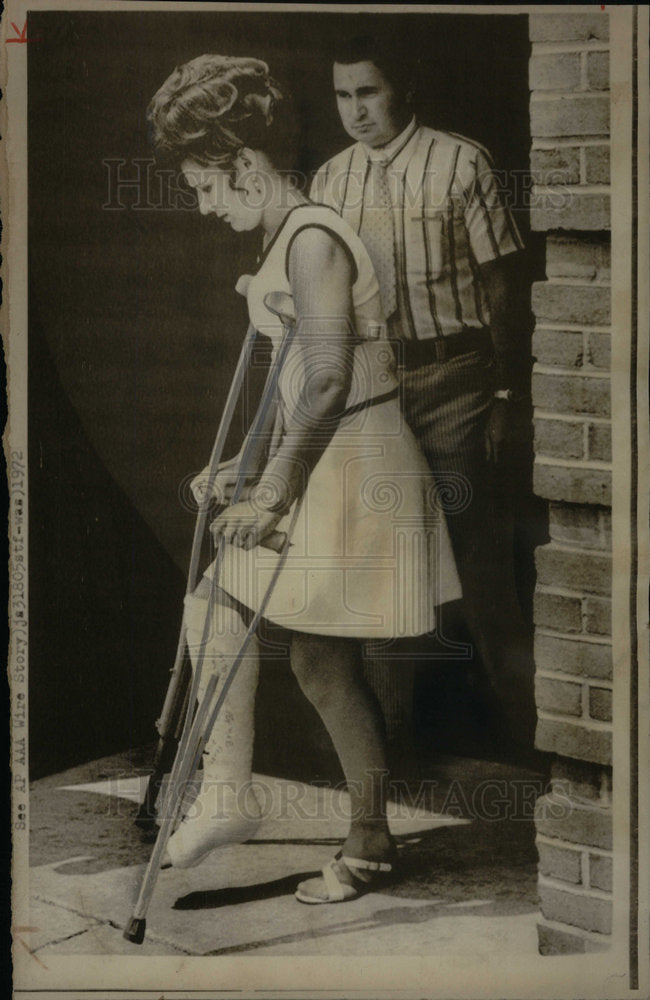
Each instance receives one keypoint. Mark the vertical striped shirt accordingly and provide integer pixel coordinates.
(449, 218)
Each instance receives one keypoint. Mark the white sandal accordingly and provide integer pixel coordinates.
(338, 891)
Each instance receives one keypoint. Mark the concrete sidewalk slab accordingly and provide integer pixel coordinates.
(467, 885)
(50, 923)
(104, 939)
(248, 906)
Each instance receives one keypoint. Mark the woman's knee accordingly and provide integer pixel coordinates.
(322, 666)
(225, 617)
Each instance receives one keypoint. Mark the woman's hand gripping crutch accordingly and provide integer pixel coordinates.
(196, 731)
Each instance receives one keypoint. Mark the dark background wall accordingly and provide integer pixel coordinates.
(135, 330)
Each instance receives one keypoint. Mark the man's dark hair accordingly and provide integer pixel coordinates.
(386, 57)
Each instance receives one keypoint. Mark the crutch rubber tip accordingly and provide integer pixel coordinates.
(134, 932)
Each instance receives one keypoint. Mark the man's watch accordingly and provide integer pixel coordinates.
(509, 395)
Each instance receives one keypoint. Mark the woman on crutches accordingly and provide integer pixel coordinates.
(369, 554)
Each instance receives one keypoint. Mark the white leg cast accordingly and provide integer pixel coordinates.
(226, 810)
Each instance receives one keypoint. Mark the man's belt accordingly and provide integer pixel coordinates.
(415, 353)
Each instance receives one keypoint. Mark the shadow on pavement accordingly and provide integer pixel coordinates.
(212, 899)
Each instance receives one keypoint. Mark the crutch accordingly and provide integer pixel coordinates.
(177, 699)
(250, 452)
(196, 732)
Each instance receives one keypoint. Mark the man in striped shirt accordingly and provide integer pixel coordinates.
(446, 252)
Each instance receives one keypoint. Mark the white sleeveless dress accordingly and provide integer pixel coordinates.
(370, 555)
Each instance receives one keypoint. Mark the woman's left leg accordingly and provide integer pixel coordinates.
(329, 670)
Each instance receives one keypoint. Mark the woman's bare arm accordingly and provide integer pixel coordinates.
(321, 276)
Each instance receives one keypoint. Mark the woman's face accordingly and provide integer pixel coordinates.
(238, 201)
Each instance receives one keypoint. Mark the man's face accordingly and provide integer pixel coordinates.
(370, 110)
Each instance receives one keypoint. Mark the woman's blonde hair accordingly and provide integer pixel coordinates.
(212, 107)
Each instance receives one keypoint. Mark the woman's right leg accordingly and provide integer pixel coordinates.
(330, 673)
(225, 810)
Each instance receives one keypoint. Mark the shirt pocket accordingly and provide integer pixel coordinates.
(435, 243)
(446, 241)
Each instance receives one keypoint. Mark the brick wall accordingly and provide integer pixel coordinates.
(569, 110)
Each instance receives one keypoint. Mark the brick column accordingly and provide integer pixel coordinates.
(569, 110)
